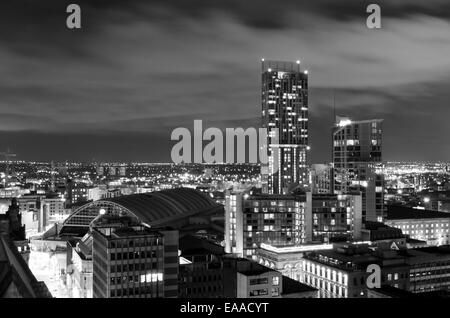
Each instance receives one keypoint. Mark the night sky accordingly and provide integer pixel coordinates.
(115, 89)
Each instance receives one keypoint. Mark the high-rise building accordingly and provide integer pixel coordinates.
(252, 219)
(356, 153)
(334, 217)
(130, 260)
(285, 108)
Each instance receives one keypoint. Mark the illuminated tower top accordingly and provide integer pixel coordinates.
(285, 100)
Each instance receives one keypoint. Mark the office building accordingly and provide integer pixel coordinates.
(131, 260)
(429, 269)
(252, 219)
(357, 149)
(342, 272)
(207, 272)
(53, 207)
(201, 268)
(383, 236)
(334, 217)
(252, 279)
(285, 108)
(430, 226)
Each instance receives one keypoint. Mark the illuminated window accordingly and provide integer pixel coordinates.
(151, 277)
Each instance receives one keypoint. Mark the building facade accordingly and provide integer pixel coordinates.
(343, 271)
(263, 218)
(357, 149)
(432, 227)
(322, 179)
(287, 260)
(285, 108)
(131, 261)
(334, 217)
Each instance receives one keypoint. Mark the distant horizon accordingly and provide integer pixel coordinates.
(193, 163)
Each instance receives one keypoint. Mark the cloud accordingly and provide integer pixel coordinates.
(142, 68)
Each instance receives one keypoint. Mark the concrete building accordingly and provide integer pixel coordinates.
(288, 220)
(252, 219)
(207, 272)
(430, 226)
(342, 272)
(287, 260)
(334, 217)
(429, 269)
(201, 269)
(383, 236)
(130, 260)
(80, 268)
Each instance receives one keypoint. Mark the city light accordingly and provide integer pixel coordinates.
(344, 122)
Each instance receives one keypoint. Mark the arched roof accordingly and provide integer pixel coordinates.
(165, 205)
(155, 208)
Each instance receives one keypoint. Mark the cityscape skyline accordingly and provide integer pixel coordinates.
(143, 91)
(145, 154)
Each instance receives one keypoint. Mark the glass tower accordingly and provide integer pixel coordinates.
(356, 154)
(285, 108)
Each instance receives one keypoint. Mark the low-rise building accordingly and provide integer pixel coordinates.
(130, 260)
(343, 271)
(426, 225)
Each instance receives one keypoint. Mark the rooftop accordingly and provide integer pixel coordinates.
(15, 271)
(166, 204)
(291, 286)
(402, 213)
(194, 246)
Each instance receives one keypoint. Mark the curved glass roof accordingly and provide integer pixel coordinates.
(155, 208)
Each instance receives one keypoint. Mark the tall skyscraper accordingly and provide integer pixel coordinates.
(285, 107)
(356, 153)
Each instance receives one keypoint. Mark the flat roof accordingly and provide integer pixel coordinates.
(402, 213)
(291, 286)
